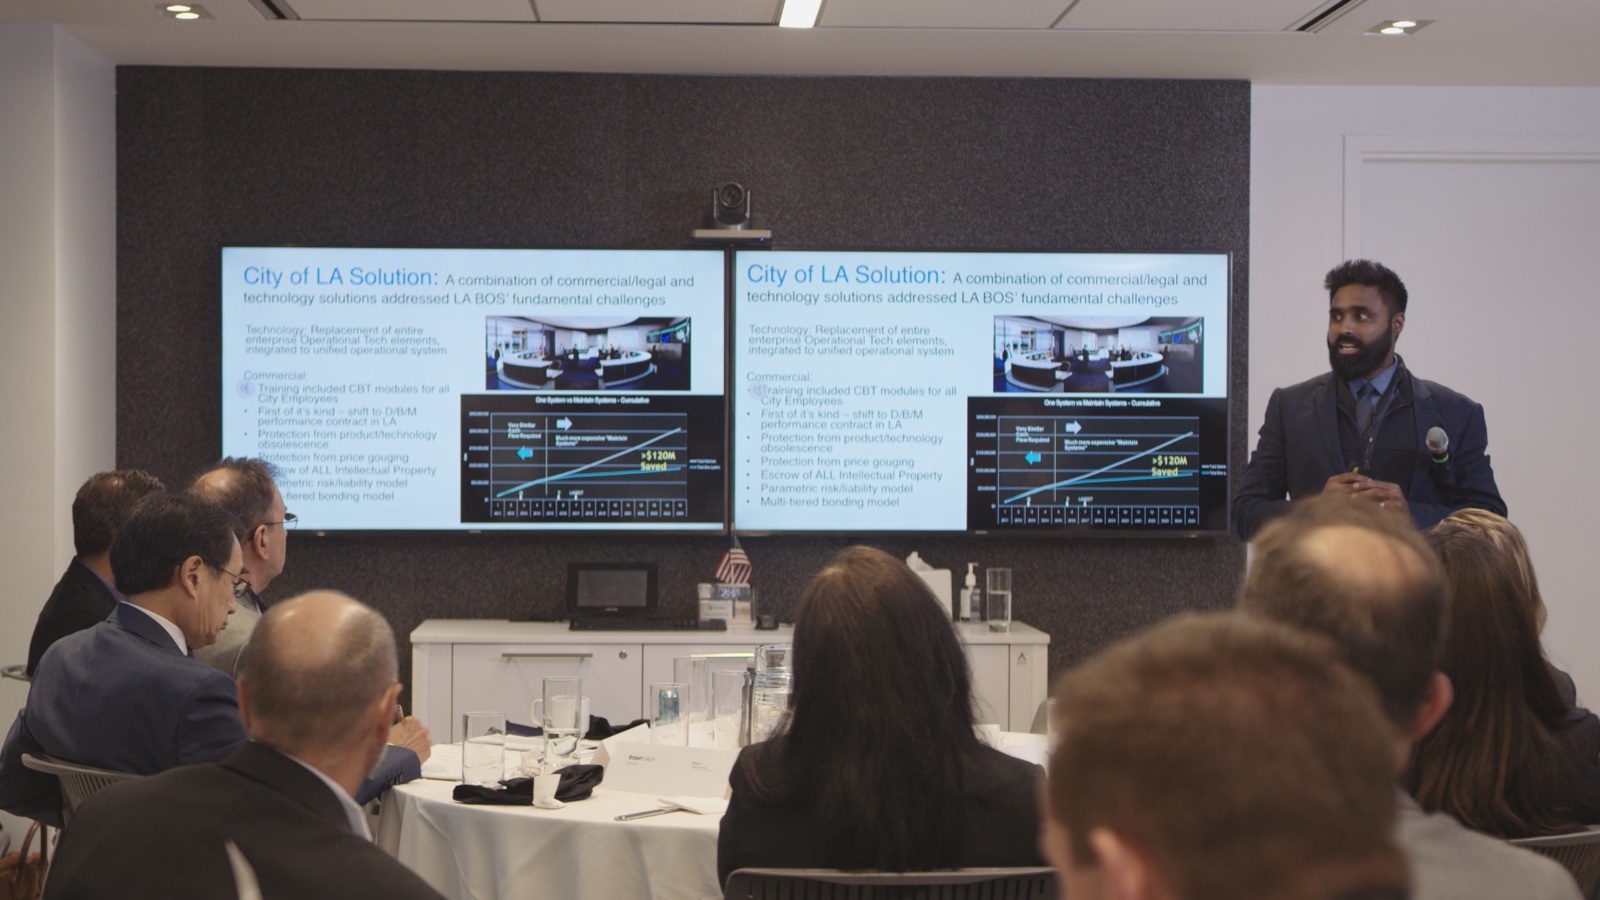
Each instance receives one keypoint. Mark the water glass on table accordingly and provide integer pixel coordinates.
(695, 671)
(563, 714)
(483, 748)
(727, 707)
(998, 599)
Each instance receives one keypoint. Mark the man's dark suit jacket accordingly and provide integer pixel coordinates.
(1002, 826)
(122, 696)
(80, 601)
(163, 837)
(1299, 450)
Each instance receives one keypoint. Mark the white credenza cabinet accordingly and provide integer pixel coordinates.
(473, 665)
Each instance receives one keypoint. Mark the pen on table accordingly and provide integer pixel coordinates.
(647, 813)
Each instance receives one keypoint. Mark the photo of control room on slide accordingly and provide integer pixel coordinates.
(1098, 354)
(586, 353)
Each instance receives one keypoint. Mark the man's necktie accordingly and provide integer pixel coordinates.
(1366, 400)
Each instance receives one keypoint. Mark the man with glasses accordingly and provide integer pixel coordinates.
(245, 488)
(128, 693)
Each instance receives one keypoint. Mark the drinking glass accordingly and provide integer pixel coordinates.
(997, 600)
(483, 748)
(563, 713)
(727, 704)
(669, 720)
(696, 673)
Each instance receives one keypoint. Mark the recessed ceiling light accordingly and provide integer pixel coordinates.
(188, 12)
(1400, 26)
(799, 13)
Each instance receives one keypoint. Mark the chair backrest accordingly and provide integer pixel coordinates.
(78, 782)
(832, 884)
(1578, 851)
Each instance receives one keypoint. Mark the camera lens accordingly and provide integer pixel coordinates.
(731, 195)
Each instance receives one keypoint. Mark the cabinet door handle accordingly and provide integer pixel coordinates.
(547, 656)
(749, 654)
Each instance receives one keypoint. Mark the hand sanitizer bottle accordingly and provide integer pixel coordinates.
(970, 596)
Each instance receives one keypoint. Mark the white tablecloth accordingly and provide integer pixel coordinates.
(579, 852)
(576, 853)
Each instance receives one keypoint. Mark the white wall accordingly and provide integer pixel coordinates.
(57, 312)
(1426, 213)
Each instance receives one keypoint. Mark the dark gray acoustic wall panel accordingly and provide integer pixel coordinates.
(214, 157)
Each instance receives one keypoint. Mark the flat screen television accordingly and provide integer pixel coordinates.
(470, 389)
(980, 392)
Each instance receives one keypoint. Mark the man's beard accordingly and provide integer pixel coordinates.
(1367, 358)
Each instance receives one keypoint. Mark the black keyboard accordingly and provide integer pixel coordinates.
(640, 623)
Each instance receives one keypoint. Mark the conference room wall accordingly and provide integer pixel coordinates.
(1487, 207)
(57, 314)
(208, 157)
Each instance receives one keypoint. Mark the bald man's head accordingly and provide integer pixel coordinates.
(314, 667)
(1365, 579)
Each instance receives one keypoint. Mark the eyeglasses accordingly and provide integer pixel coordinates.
(240, 586)
(288, 521)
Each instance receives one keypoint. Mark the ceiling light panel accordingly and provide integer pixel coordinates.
(940, 14)
(415, 10)
(1187, 15)
(696, 12)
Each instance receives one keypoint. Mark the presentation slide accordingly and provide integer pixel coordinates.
(986, 392)
(480, 389)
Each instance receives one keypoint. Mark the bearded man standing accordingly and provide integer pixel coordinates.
(1368, 429)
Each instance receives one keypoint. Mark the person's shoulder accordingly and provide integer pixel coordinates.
(1439, 393)
(990, 769)
(1301, 390)
(1449, 860)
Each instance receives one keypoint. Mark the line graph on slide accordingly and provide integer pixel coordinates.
(577, 466)
(1066, 469)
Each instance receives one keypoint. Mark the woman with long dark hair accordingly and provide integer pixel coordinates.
(1512, 757)
(877, 766)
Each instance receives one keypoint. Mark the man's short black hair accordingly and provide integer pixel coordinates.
(103, 503)
(1367, 273)
(165, 530)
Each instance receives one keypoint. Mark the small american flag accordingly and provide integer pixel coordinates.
(734, 567)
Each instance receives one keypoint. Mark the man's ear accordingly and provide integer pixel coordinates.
(189, 575)
(258, 540)
(1126, 870)
(383, 711)
(244, 704)
(1398, 322)
(1435, 703)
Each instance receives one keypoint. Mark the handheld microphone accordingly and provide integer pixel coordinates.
(1438, 444)
(1439, 448)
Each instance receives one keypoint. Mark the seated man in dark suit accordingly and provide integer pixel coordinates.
(316, 693)
(85, 594)
(128, 694)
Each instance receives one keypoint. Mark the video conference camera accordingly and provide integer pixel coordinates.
(731, 219)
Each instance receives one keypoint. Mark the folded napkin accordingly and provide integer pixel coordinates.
(577, 783)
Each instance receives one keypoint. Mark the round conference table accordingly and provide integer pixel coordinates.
(580, 852)
(577, 853)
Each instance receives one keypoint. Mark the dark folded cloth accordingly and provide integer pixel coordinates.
(577, 783)
(600, 728)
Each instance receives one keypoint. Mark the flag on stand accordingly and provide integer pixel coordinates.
(734, 567)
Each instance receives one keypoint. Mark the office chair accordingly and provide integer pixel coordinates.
(1578, 851)
(78, 783)
(832, 884)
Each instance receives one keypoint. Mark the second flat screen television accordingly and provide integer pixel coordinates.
(480, 389)
(982, 392)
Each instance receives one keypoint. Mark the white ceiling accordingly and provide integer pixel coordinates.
(1471, 42)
